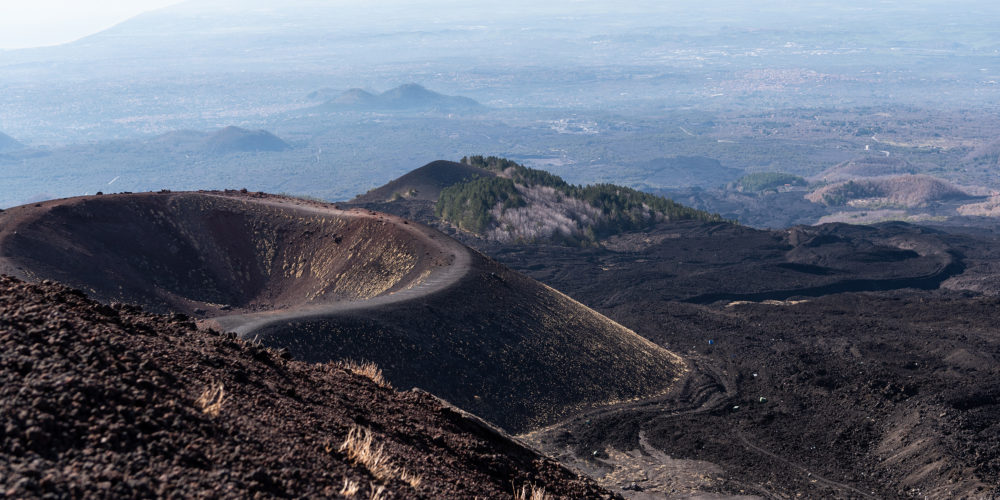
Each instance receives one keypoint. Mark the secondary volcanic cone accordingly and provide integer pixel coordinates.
(330, 284)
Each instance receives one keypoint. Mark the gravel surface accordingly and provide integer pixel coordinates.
(109, 401)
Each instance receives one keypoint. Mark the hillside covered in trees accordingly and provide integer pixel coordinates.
(526, 204)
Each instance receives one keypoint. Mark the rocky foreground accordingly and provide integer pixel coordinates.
(111, 401)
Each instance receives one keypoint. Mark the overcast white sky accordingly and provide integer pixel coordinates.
(34, 23)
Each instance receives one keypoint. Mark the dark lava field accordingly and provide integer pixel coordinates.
(832, 361)
(722, 361)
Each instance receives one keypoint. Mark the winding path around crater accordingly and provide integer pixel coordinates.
(329, 284)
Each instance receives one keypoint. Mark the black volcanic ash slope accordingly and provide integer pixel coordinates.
(424, 183)
(105, 401)
(330, 284)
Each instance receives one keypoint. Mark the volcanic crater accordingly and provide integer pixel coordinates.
(330, 284)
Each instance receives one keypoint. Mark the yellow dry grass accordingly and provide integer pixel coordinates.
(378, 493)
(531, 493)
(211, 399)
(359, 446)
(349, 489)
(366, 369)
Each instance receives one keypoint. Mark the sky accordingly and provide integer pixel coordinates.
(37, 23)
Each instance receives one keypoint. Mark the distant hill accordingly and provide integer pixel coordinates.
(900, 191)
(868, 166)
(235, 139)
(7, 143)
(988, 208)
(424, 183)
(525, 204)
(409, 97)
(324, 94)
(684, 171)
(187, 139)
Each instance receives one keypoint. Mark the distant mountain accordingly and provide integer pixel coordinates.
(409, 97)
(7, 143)
(424, 183)
(235, 139)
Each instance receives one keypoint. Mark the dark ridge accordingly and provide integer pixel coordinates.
(807, 268)
(424, 183)
(952, 267)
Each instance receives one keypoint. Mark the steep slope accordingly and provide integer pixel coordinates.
(329, 284)
(111, 402)
(235, 139)
(424, 183)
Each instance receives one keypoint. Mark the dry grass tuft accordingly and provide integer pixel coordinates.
(350, 488)
(359, 448)
(531, 493)
(378, 493)
(211, 400)
(366, 369)
(411, 479)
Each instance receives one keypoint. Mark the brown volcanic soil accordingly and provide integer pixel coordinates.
(875, 394)
(102, 401)
(204, 253)
(329, 284)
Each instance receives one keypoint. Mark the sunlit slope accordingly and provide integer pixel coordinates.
(331, 284)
